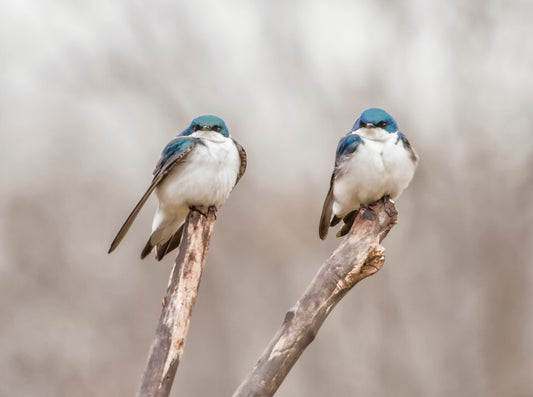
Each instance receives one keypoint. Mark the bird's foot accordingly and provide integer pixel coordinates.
(212, 209)
(198, 209)
(202, 210)
(390, 211)
(389, 198)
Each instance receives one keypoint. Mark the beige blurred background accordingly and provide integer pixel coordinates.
(90, 92)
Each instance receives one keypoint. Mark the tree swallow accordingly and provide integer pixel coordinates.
(197, 169)
(373, 160)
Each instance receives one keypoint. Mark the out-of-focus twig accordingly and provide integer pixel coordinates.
(178, 304)
(359, 255)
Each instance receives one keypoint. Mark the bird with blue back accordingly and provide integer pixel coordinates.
(373, 160)
(197, 169)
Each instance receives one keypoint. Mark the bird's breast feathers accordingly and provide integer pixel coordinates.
(380, 165)
(206, 176)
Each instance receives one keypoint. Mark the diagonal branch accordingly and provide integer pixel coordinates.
(358, 256)
(178, 304)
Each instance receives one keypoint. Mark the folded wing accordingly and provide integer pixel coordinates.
(174, 153)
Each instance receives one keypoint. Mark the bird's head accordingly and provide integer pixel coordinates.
(208, 122)
(375, 118)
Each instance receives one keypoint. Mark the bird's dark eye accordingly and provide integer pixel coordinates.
(196, 127)
(217, 128)
(362, 123)
(382, 124)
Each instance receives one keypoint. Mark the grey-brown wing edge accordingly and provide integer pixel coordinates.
(244, 160)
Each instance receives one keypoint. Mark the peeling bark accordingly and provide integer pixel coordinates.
(358, 256)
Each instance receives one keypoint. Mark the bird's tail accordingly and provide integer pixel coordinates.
(348, 222)
(162, 245)
(147, 248)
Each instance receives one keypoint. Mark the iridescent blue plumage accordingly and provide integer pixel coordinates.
(174, 147)
(376, 117)
(348, 144)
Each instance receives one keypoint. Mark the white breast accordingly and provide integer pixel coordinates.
(399, 165)
(375, 169)
(205, 178)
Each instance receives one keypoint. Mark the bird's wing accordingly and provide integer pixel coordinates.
(244, 161)
(174, 153)
(347, 145)
(327, 210)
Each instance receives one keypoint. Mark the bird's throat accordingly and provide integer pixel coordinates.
(374, 134)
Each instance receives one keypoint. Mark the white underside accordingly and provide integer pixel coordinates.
(205, 178)
(380, 166)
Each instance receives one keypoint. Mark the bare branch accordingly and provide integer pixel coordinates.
(358, 256)
(178, 304)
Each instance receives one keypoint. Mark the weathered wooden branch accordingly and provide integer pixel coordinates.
(358, 256)
(178, 304)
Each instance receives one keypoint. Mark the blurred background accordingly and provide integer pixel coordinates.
(90, 93)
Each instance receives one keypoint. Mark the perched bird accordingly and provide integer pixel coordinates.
(373, 160)
(197, 169)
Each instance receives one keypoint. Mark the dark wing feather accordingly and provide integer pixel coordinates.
(171, 244)
(348, 222)
(327, 210)
(244, 160)
(334, 221)
(173, 153)
(147, 249)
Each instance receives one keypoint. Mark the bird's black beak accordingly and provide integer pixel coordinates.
(205, 128)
